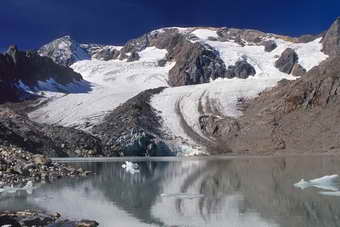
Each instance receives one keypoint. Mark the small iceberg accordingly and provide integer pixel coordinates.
(337, 193)
(10, 190)
(131, 167)
(182, 195)
(326, 183)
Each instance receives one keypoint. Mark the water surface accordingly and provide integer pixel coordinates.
(238, 192)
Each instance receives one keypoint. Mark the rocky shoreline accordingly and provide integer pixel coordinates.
(30, 218)
(21, 171)
(18, 167)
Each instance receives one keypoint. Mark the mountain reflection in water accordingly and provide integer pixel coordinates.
(215, 192)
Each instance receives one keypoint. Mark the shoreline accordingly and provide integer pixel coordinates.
(192, 158)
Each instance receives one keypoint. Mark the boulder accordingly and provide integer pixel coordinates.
(269, 45)
(41, 160)
(242, 69)
(287, 61)
(6, 220)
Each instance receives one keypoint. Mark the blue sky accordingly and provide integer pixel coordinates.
(31, 23)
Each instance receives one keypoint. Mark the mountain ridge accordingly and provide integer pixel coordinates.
(212, 78)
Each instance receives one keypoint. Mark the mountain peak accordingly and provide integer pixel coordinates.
(64, 51)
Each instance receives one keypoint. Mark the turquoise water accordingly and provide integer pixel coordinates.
(236, 192)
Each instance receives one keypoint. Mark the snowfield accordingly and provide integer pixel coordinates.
(114, 82)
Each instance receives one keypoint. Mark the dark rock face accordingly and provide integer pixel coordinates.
(134, 46)
(101, 52)
(242, 69)
(133, 129)
(287, 61)
(331, 40)
(28, 67)
(106, 54)
(64, 51)
(195, 64)
(269, 45)
(53, 141)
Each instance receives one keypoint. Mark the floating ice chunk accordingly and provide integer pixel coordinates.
(131, 167)
(325, 182)
(337, 193)
(182, 195)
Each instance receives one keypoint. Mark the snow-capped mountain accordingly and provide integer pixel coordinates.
(66, 51)
(199, 91)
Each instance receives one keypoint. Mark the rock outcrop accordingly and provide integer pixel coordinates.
(242, 69)
(269, 45)
(196, 63)
(101, 52)
(331, 40)
(240, 35)
(298, 70)
(29, 68)
(287, 61)
(133, 129)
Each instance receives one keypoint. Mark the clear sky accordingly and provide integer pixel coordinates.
(31, 23)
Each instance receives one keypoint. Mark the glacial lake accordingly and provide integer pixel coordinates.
(216, 191)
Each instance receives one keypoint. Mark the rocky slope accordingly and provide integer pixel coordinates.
(53, 141)
(133, 128)
(296, 116)
(24, 73)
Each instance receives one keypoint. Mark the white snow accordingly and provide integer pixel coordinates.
(204, 34)
(112, 83)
